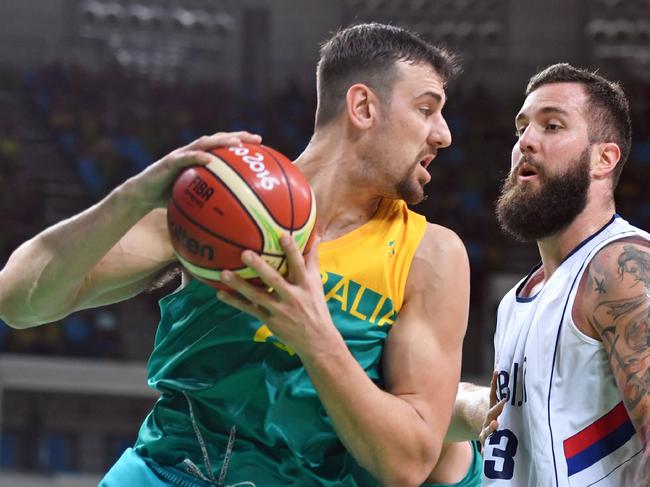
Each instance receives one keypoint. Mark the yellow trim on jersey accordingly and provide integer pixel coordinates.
(378, 254)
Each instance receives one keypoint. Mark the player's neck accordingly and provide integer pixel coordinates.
(555, 248)
(343, 205)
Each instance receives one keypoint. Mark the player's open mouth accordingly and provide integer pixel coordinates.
(526, 171)
(427, 160)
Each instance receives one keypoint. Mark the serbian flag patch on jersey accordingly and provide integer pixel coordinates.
(600, 448)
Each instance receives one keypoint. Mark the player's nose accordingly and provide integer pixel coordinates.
(440, 135)
(528, 140)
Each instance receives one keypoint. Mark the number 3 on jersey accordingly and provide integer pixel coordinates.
(500, 451)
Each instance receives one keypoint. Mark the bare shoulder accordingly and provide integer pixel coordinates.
(619, 269)
(629, 259)
(440, 260)
(440, 244)
(438, 280)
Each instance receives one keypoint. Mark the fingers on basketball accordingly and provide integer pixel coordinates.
(222, 139)
(295, 259)
(190, 158)
(242, 200)
(311, 259)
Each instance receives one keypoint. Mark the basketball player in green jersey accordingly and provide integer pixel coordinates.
(345, 374)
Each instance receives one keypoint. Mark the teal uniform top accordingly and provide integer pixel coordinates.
(236, 405)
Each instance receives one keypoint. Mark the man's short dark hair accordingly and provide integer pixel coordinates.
(368, 53)
(607, 108)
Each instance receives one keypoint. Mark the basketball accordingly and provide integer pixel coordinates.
(245, 199)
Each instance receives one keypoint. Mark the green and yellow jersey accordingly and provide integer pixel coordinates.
(237, 404)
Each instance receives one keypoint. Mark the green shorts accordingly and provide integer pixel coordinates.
(132, 470)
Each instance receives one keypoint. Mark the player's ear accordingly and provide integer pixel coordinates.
(361, 106)
(609, 155)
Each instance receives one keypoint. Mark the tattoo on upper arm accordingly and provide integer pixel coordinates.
(600, 285)
(629, 354)
(636, 263)
(623, 322)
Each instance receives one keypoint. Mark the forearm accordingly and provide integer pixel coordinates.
(44, 277)
(384, 433)
(105, 253)
(470, 409)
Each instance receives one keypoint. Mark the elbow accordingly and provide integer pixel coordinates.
(17, 325)
(20, 320)
(6, 315)
(412, 471)
(7, 312)
(13, 321)
(13, 317)
(19, 310)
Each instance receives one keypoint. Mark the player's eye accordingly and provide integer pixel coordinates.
(519, 131)
(426, 111)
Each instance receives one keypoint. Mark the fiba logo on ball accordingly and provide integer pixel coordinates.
(200, 191)
(245, 199)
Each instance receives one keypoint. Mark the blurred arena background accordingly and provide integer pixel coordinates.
(92, 91)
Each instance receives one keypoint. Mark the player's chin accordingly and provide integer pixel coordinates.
(411, 189)
(415, 195)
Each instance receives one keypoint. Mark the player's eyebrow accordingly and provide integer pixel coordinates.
(440, 99)
(542, 111)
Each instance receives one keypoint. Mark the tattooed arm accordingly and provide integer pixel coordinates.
(613, 305)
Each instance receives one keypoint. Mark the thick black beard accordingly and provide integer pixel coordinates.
(529, 215)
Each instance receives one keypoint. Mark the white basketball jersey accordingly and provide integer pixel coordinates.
(564, 423)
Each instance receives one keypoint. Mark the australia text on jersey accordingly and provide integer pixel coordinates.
(354, 299)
